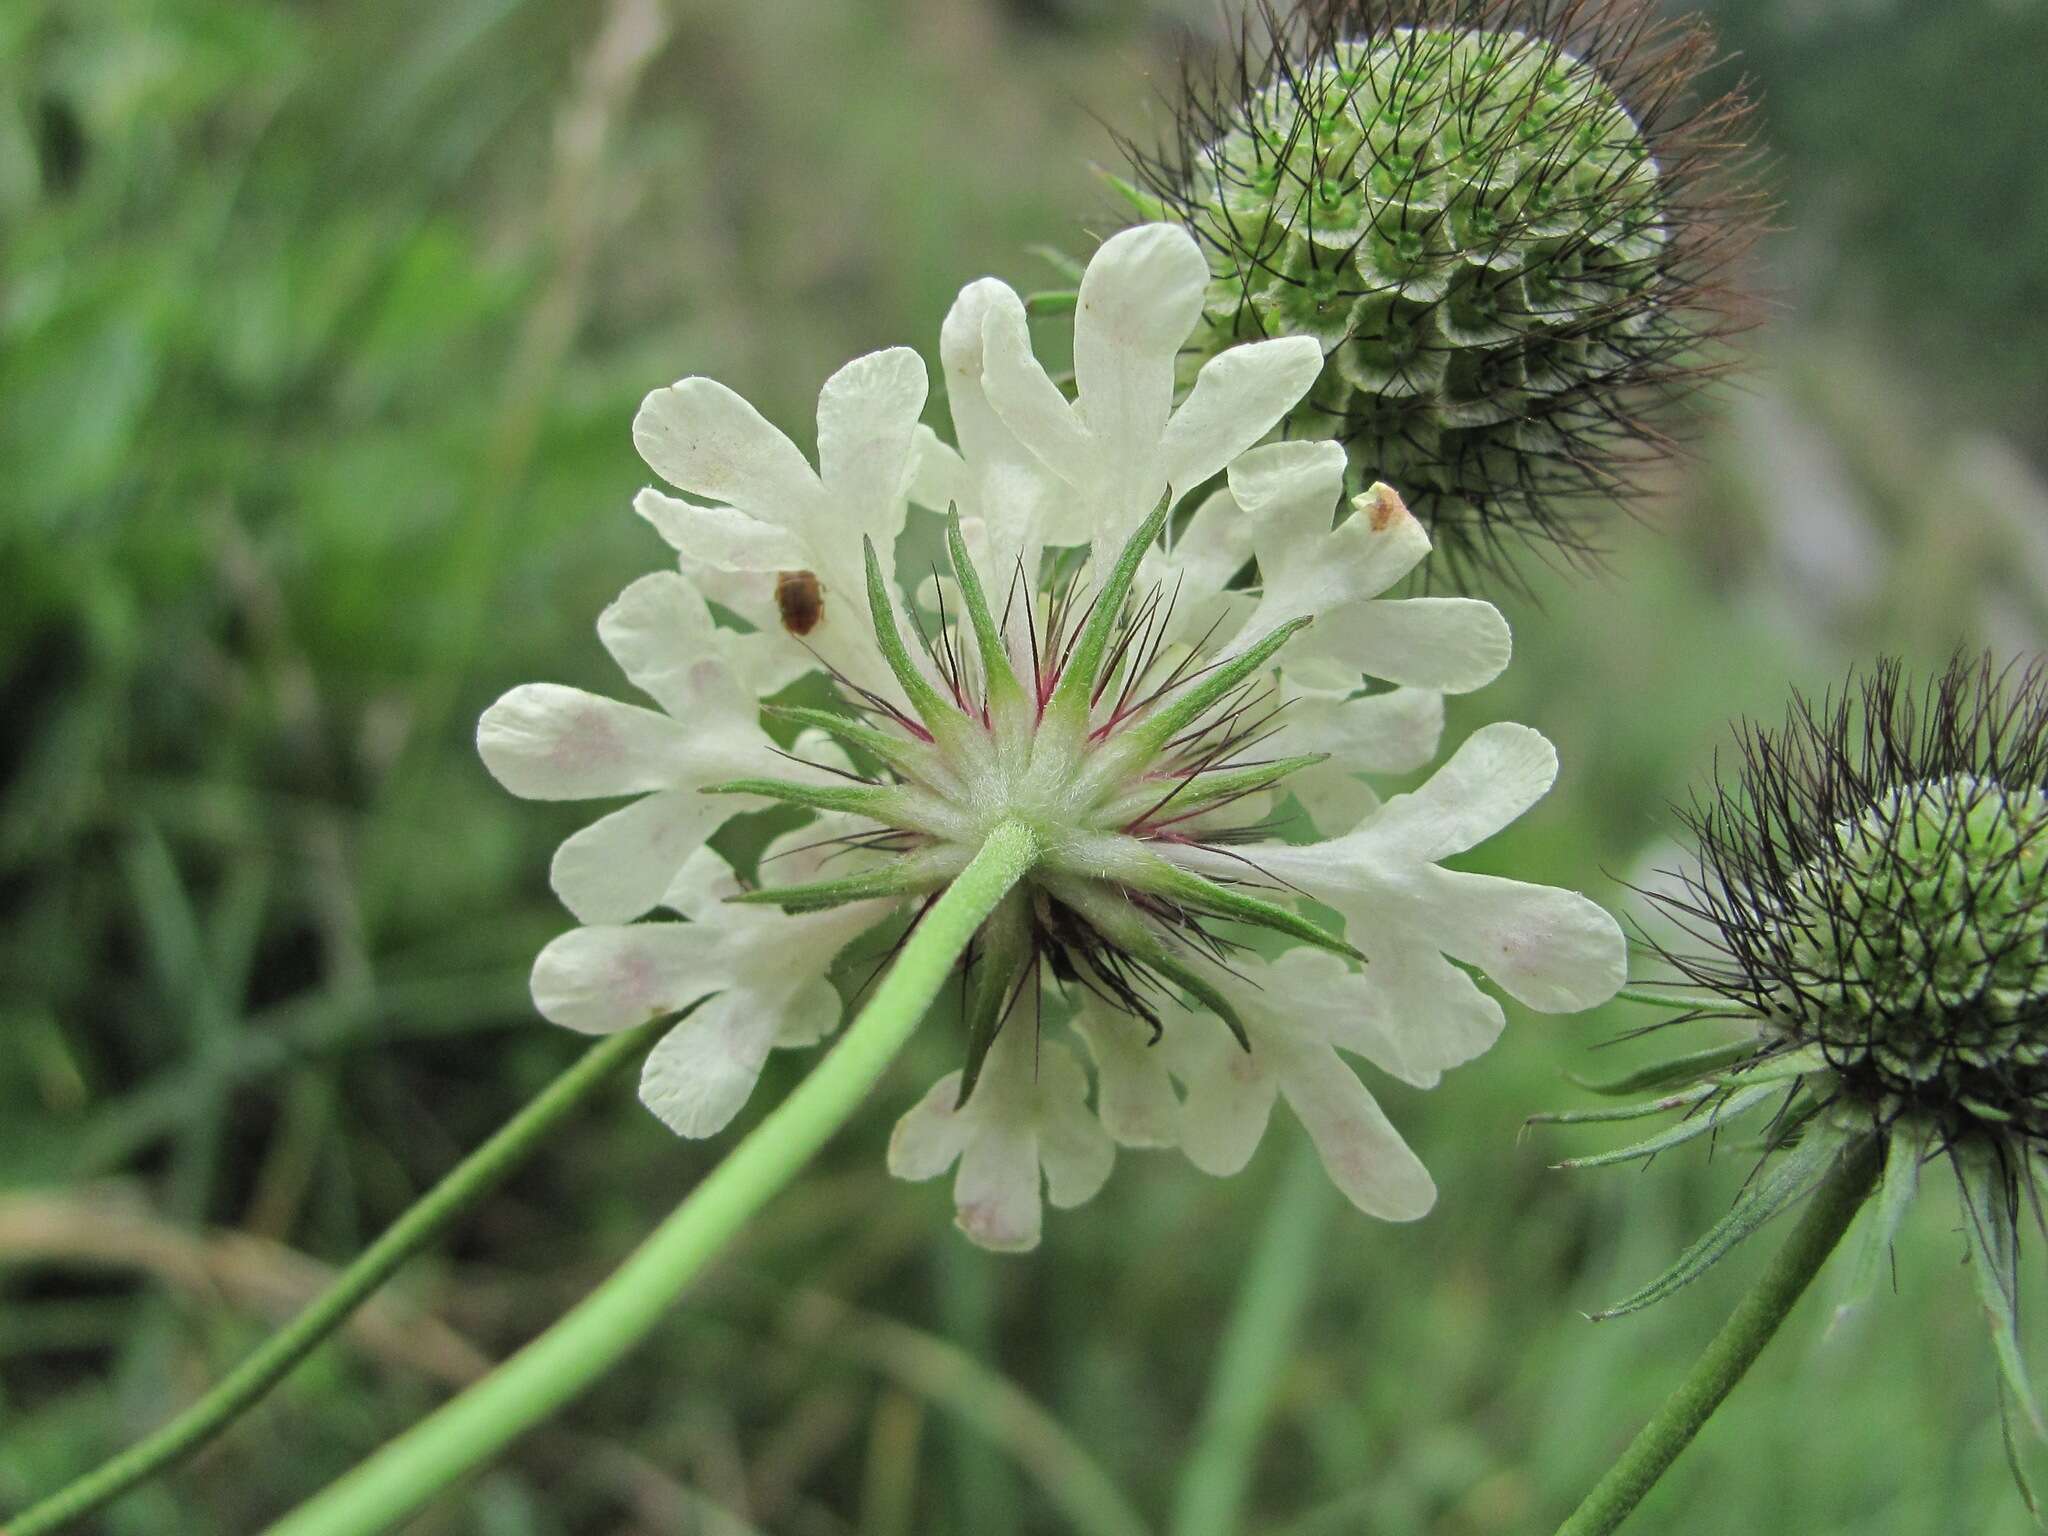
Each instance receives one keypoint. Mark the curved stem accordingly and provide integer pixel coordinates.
(1742, 1338)
(595, 1334)
(246, 1385)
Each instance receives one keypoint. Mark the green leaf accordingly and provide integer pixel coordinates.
(1077, 681)
(1004, 689)
(938, 714)
(1160, 877)
(1738, 1102)
(1171, 717)
(901, 755)
(1906, 1150)
(1780, 1185)
(1670, 1073)
(1993, 1235)
(911, 875)
(1002, 957)
(860, 799)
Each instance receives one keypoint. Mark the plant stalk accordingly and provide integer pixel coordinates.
(245, 1386)
(1829, 1210)
(602, 1328)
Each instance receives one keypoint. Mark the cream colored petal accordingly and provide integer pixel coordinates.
(601, 980)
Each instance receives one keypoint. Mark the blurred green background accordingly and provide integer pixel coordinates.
(321, 326)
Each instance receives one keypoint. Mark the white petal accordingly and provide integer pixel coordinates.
(1452, 644)
(983, 438)
(1336, 799)
(1024, 396)
(867, 424)
(938, 475)
(701, 885)
(1215, 545)
(1551, 949)
(995, 1195)
(811, 1012)
(1074, 1149)
(600, 980)
(1362, 1152)
(1238, 398)
(1428, 1016)
(546, 742)
(702, 438)
(1393, 732)
(700, 1074)
(1290, 489)
(1230, 1094)
(720, 538)
(1132, 1087)
(930, 1135)
(1496, 774)
(661, 635)
(619, 866)
(1140, 298)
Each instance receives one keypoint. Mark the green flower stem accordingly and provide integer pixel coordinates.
(1742, 1338)
(599, 1331)
(245, 1386)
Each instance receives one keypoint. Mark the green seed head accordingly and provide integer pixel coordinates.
(1918, 949)
(1496, 218)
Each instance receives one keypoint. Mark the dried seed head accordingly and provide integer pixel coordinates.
(1507, 221)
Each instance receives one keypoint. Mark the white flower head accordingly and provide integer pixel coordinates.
(1131, 712)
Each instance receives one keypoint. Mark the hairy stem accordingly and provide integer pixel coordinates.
(599, 1331)
(1742, 1338)
(245, 1386)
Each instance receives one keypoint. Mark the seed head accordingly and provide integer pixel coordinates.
(1872, 893)
(1508, 222)
(1875, 884)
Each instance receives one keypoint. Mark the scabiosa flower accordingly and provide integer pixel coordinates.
(1090, 669)
(1507, 222)
(1872, 891)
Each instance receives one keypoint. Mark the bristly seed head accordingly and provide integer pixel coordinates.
(1872, 890)
(1509, 223)
(1071, 715)
(1875, 885)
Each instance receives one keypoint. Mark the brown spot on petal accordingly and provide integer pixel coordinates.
(1384, 506)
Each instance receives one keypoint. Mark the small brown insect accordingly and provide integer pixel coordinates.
(800, 600)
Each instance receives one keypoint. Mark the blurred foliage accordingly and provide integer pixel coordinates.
(320, 329)
(1908, 138)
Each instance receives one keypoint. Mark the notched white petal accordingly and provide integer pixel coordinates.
(620, 866)
(1028, 1119)
(1551, 949)
(701, 1073)
(604, 979)
(703, 438)
(1134, 1091)
(543, 741)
